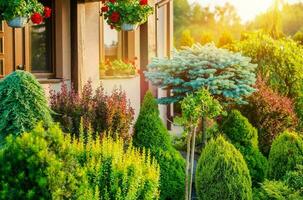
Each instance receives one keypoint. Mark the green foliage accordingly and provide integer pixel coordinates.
(279, 61)
(275, 190)
(197, 105)
(118, 68)
(22, 104)
(186, 39)
(129, 12)
(225, 39)
(222, 173)
(149, 130)
(239, 130)
(245, 138)
(19, 8)
(228, 76)
(206, 38)
(285, 154)
(150, 133)
(298, 37)
(45, 164)
(295, 179)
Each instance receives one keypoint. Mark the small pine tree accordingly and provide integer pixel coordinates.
(222, 173)
(150, 133)
(285, 154)
(22, 104)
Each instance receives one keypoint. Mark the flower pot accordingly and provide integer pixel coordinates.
(129, 27)
(18, 22)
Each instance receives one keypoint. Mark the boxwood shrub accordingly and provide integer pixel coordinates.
(285, 154)
(222, 173)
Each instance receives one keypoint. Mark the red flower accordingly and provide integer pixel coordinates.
(104, 9)
(47, 12)
(143, 2)
(37, 18)
(115, 17)
(112, 1)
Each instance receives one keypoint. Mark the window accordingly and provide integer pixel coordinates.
(41, 43)
(112, 49)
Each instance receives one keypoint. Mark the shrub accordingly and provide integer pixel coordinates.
(22, 104)
(295, 179)
(270, 113)
(149, 130)
(285, 154)
(245, 138)
(298, 37)
(275, 190)
(222, 173)
(225, 39)
(101, 112)
(279, 61)
(239, 130)
(150, 133)
(45, 164)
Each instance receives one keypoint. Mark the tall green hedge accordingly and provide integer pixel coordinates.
(245, 138)
(285, 154)
(222, 173)
(150, 133)
(22, 104)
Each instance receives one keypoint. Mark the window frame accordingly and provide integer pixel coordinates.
(52, 63)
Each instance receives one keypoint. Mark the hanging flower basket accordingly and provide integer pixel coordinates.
(126, 15)
(128, 27)
(17, 13)
(18, 22)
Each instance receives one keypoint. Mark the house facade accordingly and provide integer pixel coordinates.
(72, 45)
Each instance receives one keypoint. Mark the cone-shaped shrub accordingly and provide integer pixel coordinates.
(151, 133)
(285, 154)
(22, 104)
(46, 164)
(245, 138)
(222, 173)
(239, 130)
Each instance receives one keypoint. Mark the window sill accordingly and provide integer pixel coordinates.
(119, 77)
(50, 80)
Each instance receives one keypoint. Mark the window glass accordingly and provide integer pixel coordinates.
(111, 43)
(41, 44)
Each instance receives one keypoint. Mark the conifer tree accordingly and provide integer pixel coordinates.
(228, 76)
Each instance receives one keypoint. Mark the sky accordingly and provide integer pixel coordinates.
(247, 9)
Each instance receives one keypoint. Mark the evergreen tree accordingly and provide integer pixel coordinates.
(22, 104)
(150, 133)
(228, 76)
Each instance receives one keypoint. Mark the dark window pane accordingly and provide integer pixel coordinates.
(41, 45)
(1, 67)
(1, 45)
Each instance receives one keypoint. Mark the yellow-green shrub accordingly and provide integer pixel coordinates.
(45, 164)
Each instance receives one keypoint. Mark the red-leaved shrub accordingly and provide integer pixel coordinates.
(270, 113)
(98, 111)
